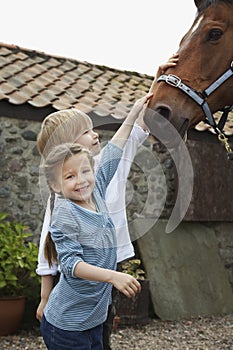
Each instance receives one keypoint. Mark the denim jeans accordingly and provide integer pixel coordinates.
(108, 324)
(59, 339)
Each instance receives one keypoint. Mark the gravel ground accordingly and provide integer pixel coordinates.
(215, 333)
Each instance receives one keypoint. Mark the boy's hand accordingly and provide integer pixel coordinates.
(172, 62)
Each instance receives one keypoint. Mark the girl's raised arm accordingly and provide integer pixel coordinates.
(122, 134)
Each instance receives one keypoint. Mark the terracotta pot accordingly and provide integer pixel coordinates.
(11, 314)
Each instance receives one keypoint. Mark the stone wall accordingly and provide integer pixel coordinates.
(19, 190)
(187, 276)
(20, 194)
(150, 186)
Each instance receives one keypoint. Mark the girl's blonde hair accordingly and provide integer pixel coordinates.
(61, 127)
(56, 157)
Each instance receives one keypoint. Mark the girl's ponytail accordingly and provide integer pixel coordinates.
(50, 250)
(49, 246)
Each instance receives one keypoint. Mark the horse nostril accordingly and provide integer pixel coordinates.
(164, 111)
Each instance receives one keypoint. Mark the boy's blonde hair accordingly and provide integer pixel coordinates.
(62, 127)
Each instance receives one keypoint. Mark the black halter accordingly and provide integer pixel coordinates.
(200, 99)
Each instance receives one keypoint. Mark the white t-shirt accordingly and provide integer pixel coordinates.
(115, 199)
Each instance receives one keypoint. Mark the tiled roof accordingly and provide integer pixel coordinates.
(228, 128)
(40, 80)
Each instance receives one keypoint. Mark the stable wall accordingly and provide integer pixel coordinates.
(150, 187)
(187, 275)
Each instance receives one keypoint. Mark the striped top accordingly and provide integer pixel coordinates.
(115, 200)
(76, 304)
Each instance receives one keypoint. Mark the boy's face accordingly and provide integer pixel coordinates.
(90, 140)
(75, 179)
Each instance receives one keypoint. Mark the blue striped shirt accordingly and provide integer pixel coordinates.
(76, 304)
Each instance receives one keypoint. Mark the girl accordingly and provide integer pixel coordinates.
(85, 240)
(75, 126)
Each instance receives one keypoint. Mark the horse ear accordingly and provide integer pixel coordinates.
(198, 3)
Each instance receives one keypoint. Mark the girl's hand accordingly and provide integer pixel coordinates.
(40, 309)
(126, 284)
(121, 136)
(138, 106)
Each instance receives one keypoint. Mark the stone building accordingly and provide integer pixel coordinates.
(34, 84)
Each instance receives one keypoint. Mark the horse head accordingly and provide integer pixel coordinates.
(205, 56)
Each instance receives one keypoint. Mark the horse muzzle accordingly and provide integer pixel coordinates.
(164, 128)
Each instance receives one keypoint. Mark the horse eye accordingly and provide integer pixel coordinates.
(214, 34)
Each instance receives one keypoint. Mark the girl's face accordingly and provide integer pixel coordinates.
(75, 179)
(90, 140)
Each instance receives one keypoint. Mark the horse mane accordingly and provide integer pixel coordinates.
(206, 3)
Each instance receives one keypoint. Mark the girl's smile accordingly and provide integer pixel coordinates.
(75, 180)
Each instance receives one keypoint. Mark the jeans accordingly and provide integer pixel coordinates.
(108, 326)
(59, 339)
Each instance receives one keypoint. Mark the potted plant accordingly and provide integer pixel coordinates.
(132, 267)
(18, 279)
(135, 310)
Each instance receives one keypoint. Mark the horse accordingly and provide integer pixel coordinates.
(202, 81)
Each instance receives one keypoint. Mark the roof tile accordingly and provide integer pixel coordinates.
(16, 81)
(29, 90)
(39, 101)
(35, 86)
(67, 98)
(83, 107)
(7, 88)
(51, 62)
(17, 98)
(60, 104)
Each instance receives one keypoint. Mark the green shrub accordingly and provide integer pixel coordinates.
(132, 267)
(18, 260)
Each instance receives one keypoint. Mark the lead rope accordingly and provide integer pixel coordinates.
(222, 138)
(218, 128)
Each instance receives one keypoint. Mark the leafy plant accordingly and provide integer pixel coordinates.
(132, 267)
(18, 260)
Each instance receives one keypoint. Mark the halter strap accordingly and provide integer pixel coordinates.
(219, 81)
(176, 82)
(200, 99)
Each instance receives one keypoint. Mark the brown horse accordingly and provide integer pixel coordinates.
(202, 81)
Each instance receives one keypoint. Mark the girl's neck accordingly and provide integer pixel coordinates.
(89, 204)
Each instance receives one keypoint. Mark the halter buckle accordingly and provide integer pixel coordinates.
(173, 80)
